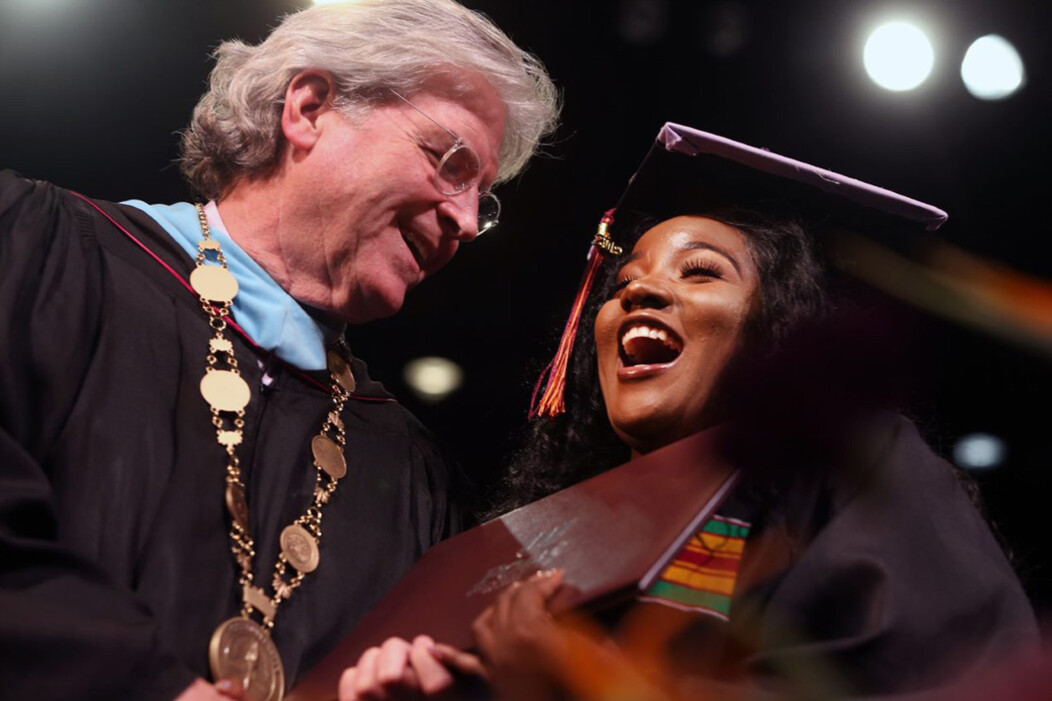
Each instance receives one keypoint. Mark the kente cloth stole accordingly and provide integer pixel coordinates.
(702, 576)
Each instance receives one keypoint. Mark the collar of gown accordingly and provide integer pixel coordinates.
(274, 320)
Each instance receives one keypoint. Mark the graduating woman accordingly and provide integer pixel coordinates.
(849, 561)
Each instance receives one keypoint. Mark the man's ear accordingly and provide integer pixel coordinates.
(309, 95)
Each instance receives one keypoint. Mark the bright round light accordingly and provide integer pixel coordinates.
(992, 69)
(432, 378)
(898, 56)
(979, 451)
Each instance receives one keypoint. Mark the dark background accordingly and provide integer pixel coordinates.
(95, 92)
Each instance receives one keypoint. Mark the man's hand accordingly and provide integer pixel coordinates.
(398, 669)
(223, 690)
(518, 624)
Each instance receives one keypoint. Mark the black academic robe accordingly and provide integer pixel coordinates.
(115, 565)
(867, 573)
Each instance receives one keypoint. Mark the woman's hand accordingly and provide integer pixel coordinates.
(531, 657)
(399, 669)
(520, 641)
(518, 627)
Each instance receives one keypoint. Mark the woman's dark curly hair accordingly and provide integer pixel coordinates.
(556, 452)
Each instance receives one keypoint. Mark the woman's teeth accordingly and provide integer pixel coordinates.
(642, 344)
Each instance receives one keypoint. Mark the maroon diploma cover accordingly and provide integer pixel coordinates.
(613, 535)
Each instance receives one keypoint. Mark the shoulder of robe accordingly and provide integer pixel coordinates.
(38, 211)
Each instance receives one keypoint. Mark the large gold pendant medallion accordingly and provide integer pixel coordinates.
(214, 283)
(224, 390)
(242, 650)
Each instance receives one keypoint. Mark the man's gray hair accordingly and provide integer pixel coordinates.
(367, 46)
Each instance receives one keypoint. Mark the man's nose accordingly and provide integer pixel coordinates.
(459, 215)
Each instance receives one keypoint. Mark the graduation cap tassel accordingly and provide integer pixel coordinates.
(552, 400)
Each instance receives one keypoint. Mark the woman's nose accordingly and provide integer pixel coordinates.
(645, 292)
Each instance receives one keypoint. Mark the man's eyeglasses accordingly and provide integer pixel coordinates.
(459, 170)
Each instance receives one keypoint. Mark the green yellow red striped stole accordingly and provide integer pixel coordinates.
(703, 575)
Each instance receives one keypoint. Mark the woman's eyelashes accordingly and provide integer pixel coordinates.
(694, 270)
(621, 284)
(700, 268)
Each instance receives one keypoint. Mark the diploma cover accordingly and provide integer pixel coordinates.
(613, 534)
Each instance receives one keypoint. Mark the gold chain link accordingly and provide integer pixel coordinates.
(229, 427)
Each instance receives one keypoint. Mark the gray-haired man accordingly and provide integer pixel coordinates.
(196, 478)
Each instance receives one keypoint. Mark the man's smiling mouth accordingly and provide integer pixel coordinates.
(415, 243)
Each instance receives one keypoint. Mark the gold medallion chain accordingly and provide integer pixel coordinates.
(228, 395)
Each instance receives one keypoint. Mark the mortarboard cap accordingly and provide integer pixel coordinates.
(688, 171)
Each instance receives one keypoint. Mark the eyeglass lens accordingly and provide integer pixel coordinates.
(489, 211)
(458, 170)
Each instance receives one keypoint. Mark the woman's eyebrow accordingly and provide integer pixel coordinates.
(631, 257)
(691, 246)
(695, 245)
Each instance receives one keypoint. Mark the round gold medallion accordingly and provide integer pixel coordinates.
(329, 456)
(300, 548)
(225, 390)
(236, 504)
(341, 371)
(242, 650)
(214, 283)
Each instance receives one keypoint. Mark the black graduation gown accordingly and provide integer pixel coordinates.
(115, 565)
(867, 573)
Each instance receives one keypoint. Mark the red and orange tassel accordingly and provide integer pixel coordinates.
(552, 401)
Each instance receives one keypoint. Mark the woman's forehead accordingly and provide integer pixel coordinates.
(690, 232)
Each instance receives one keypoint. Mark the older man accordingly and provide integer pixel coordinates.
(197, 480)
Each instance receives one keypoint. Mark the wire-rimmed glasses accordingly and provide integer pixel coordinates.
(458, 170)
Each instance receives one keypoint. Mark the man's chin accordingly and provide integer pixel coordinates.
(378, 305)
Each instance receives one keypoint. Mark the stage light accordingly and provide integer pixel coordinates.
(898, 56)
(724, 28)
(992, 68)
(643, 22)
(979, 451)
(45, 10)
(432, 378)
